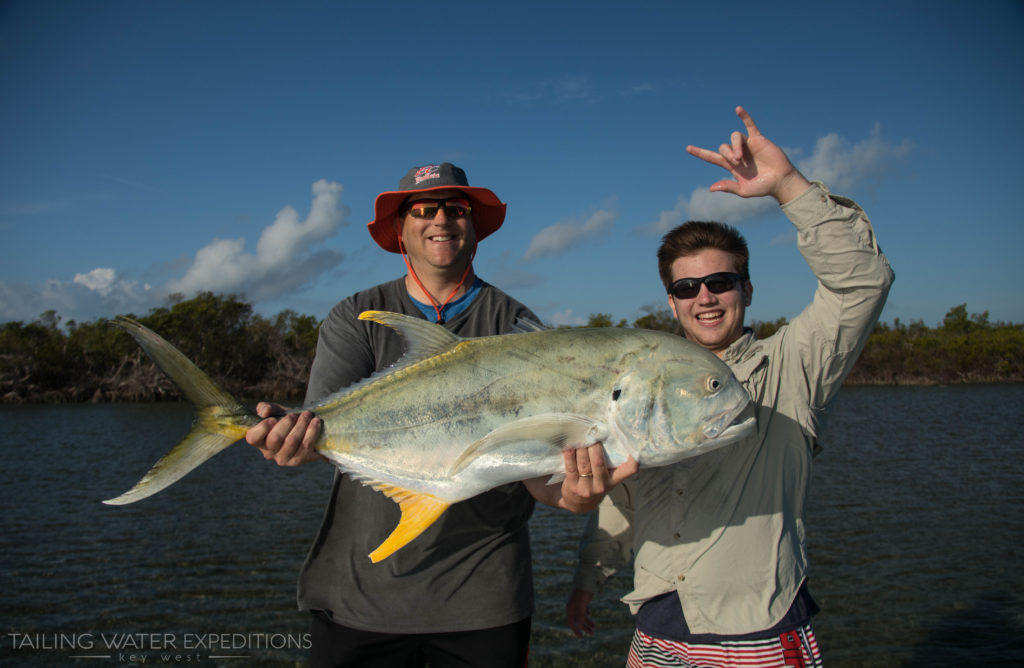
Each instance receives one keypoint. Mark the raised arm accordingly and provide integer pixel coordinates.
(758, 167)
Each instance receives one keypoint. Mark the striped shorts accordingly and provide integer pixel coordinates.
(792, 649)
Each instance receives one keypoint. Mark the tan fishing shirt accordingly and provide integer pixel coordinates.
(725, 530)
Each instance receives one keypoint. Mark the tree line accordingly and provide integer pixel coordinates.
(253, 356)
(247, 354)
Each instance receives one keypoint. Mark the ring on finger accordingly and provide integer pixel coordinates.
(586, 475)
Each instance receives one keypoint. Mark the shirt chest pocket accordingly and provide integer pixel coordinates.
(752, 373)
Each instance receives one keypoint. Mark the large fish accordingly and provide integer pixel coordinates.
(456, 417)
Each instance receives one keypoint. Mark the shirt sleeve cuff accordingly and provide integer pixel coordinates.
(590, 577)
(816, 203)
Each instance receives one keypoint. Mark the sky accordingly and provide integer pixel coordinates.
(152, 148)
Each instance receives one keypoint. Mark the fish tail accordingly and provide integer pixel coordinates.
(221, 419)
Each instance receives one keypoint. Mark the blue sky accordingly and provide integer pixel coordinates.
(148, 147)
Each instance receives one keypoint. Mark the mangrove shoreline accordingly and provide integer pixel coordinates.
(255, 357)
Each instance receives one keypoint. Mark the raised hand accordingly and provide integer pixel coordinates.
(758, 167)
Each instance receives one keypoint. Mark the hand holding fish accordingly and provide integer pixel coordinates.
(285, 437)
(757, 165)
(587, 480)
(584, 487)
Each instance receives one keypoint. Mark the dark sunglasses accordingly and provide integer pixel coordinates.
(688, 288)
(427, 209)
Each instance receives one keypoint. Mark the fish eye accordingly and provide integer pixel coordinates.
(616, 394)
(713, 383)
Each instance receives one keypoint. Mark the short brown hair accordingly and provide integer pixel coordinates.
(694, 236)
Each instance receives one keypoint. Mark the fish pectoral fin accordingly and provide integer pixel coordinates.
(559, 430)
(419, 511)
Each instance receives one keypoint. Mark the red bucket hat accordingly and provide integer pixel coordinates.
(488, 210)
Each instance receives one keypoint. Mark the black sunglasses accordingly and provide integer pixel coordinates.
(688, 288)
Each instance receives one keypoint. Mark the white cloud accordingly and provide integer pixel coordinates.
(561, 236)
(286, 259)
(727, 208)
(567, 318)
(703, 204)
(89, 296)
(843, 167)
(100, 280)
(840, 166)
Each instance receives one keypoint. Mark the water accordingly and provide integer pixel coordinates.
(915, 531)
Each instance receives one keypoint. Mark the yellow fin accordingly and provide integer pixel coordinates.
(422, 339)
(221, 419)
(419, 511)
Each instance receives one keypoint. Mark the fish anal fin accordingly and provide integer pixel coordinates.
(419, 511)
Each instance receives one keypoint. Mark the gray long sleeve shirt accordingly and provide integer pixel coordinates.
(469, 570)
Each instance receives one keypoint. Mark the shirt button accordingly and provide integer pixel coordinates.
(681, 578)
(676, 535)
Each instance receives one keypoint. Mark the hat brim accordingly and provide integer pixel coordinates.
(488, 213)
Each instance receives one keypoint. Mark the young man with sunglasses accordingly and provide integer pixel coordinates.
(718, 540)
(462, 592)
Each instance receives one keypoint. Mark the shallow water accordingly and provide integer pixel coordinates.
(915, 525)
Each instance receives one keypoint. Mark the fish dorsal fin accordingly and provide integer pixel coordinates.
(559, 430)
(419, 511)
(423, 339)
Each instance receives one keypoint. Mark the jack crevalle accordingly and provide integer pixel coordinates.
(456, 417)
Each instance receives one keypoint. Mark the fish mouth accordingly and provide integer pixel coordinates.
(729, 426)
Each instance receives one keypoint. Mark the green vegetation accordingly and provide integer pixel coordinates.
(250, 356)
(963, 349)
(256, 357)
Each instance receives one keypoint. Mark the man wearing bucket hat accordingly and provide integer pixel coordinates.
(462, 592)
(443, 250)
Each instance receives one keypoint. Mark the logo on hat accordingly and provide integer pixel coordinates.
(427, 172)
